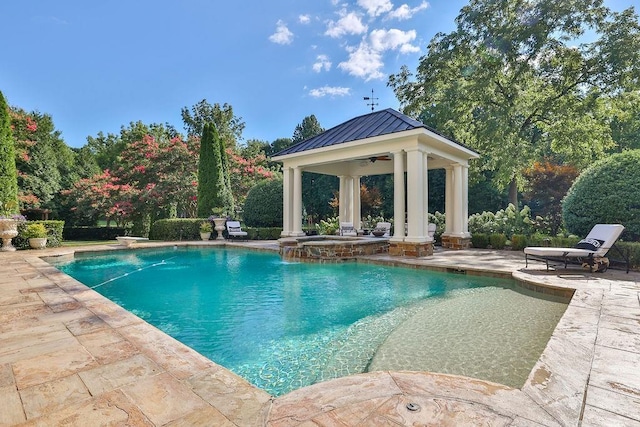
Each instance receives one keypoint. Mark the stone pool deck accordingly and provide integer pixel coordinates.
(69, 356)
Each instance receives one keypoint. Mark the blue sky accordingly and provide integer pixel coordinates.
(94, 66)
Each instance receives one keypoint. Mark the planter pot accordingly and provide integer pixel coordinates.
(205, 236)
(8, 230)
(219, 227)
(38, 242)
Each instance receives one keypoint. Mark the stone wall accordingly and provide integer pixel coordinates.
(330, 249)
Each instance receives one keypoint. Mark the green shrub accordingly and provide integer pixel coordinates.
(630, 250)
(518, 242)
(176, 229)
(263, 206)
(480, 240)
(606, 193)
(34, 230)
(507, 221)
(498, 240)
(263, 233)
(53, 234)
(93, 233)
(328, 226)
(564, 242)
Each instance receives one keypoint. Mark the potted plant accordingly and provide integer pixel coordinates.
(219, 217)
(36, 234)
(205, 230)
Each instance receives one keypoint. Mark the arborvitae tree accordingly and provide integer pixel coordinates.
(209, 171)
(8, 173)
(226, 195)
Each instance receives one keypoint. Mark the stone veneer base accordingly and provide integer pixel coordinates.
(411, 249)
(452, 242)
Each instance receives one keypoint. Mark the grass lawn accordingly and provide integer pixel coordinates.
(88, 242)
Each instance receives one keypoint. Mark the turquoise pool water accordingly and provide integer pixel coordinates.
(280, 325)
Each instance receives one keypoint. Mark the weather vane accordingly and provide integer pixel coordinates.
(373, 100)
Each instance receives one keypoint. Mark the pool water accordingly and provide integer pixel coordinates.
(284, 325)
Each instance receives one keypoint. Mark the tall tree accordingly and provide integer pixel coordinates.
(8, 172)
(308, 128)
(209, 172)
(516, 81)
(228, 126)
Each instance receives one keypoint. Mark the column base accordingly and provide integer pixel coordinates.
(454, 242)
(410, 249)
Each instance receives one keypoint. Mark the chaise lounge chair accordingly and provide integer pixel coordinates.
(590, 251)
(234, 230)
(347, 229)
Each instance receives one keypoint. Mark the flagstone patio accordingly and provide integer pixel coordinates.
(69, 356)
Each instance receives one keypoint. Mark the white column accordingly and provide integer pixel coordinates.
(342, 201)
(355, 206)
(457, 200)
(426, 195)
(448, 201)
(287, 203)
(465, 200)
(296, 217)
(398, 196)
(415, 196)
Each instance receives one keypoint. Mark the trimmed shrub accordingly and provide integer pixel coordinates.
(518, 242)
(176, 229)
(8, 171)
(263, 206)
(480, 240)
(263, 233)
(93, 233)
(508, 221)
(498, 240)
(606, 193)
(54, 234)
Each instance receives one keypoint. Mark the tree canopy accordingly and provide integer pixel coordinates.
(517, 81)
(229, 127)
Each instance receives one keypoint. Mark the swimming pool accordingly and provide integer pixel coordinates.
(286, 325)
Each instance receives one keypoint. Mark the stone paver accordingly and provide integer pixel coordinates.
(69, 356)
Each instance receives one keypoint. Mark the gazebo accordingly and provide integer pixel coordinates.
(383, 142)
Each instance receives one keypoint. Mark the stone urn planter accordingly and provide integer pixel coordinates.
(205, 230)
(8, 230)
(219, 227)
(38, 242)
(205, 236)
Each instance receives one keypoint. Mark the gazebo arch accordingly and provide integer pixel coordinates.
(383, 142)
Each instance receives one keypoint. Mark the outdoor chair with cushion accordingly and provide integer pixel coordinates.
(590, 252)
(347, 229)
(234, 231)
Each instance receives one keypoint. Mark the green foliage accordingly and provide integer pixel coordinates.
(8, 171)
(329, 226)
(206, 227)
(229, 126)
(630, 250)
(176, 229)
(309, 127)
(507, 221)
(497, 240)
(263, 206)
(93, 233)
(53, 233)
(210, 179)
(263, 233)
(34, 230)
(607, 193)
(516, 82)
(518, 242)
(480, 240)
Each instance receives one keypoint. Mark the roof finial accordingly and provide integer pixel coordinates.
(372, 99)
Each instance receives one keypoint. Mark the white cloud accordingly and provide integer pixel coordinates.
(304, 19)
(364, 62)
(393, 39)
(282, 34)
(322, 63)
(376, 7)
(329, 91)
(349, 23)
(404, 12)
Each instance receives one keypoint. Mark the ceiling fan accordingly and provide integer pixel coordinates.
(374, 159)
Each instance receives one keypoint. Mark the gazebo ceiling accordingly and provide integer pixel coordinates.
(364, 146)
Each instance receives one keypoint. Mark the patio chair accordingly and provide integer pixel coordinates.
(383, 226)
(590, 251)
(347, 229)
(234, 231)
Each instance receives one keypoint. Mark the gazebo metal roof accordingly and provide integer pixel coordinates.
(383, 122)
